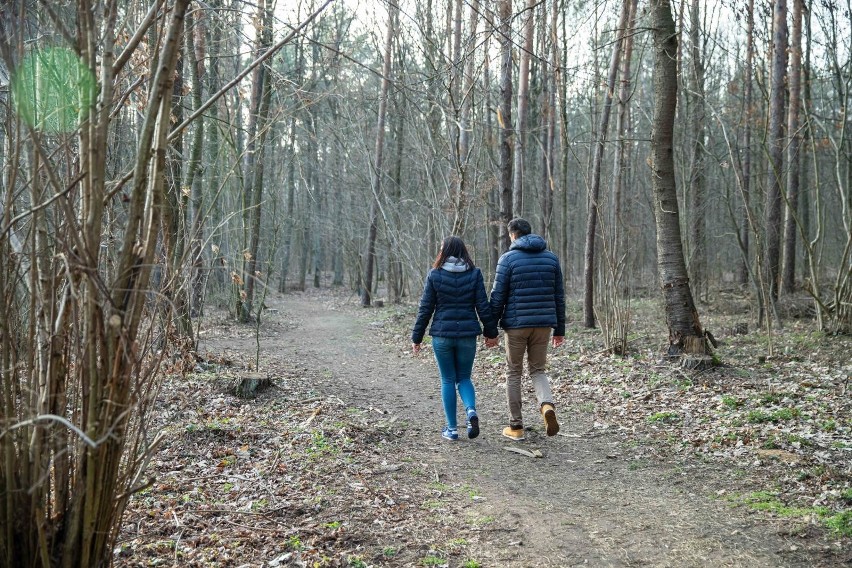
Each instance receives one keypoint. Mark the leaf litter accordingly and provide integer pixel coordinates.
(297, 477)
(294, 477)
(780, 426)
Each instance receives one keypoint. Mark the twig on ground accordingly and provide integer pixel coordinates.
(312, 416)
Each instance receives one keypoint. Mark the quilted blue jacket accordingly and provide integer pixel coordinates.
(528, 289)
(452, 300)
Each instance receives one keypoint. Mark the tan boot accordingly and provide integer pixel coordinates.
(551, 426)
(516, 434)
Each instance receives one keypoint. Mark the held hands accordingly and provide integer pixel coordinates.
(491, 342)
(557, 341)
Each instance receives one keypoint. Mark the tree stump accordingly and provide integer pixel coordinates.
(250, 384)
(696, 355)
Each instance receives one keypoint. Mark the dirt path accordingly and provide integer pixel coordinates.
(581, 504)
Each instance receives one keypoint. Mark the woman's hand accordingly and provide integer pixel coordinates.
(491, 342)
(415, 348)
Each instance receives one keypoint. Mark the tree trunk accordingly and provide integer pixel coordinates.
(290, 190)
(745, 227)
(565, 224)
(261, 99)
(788, 280)
(681, 314)
(807, 154)
(775, 150)
(550, 80)
(290, 231)
(697, 265)
(504, 118)
(396, 282)
(523, 111)
(194, 181)
(370, 253)
(175, 221)
(455, 96)
(465, 125)
(493, 199)
(597, 165)
(623, 128)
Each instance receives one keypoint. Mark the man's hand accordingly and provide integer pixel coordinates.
(491, 342)
(557, 340)
(415, 348)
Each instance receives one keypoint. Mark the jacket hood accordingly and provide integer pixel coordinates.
(531, 243)
(453, 264)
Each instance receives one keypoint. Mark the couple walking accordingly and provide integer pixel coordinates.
(527, 301)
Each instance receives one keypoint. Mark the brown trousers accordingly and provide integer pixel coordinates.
(532, 341)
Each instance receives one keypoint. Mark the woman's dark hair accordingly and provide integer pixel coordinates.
(452, 246)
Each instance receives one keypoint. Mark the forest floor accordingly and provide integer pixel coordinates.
(340, 462)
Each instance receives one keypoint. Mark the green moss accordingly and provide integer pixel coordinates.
(664, 417)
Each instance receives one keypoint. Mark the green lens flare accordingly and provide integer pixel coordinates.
(52, 90)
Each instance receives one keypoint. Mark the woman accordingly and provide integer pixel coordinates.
(454, 294)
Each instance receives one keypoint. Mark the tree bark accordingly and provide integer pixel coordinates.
(290, 191)
(788, 280)
(194, 181)
(504, 118)
(465, 125)
(523, 111)
(373, 227)
(745, 149)
(597, 166)
(259, 113)
(775, 142)
(623, 128)
(681, 315)
(549, 82)
(697, 265)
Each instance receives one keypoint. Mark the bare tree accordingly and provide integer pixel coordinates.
(504, 118)
(73, 444)
(467, 85)
(775, 150)
(255, 152)
(622, 128)
(697, 264)
(195, 47)
(597, 166)
(377, 173)
(793, 148)
(523, 110)
(548, 117)
(745, 147)
(686, 336)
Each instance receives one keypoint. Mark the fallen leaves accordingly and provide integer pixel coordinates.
(287, 479)
(780, 421)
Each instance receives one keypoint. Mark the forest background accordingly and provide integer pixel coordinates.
(159, 156)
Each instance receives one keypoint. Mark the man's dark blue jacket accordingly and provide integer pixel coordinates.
(528, 289)
(455, 298)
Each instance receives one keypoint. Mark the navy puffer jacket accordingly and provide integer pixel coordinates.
(455, 298)
(528, 289)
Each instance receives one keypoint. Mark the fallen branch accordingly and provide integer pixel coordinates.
(528, 453)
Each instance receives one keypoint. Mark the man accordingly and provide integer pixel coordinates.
(528, 300)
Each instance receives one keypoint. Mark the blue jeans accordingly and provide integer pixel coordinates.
(455, 363)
